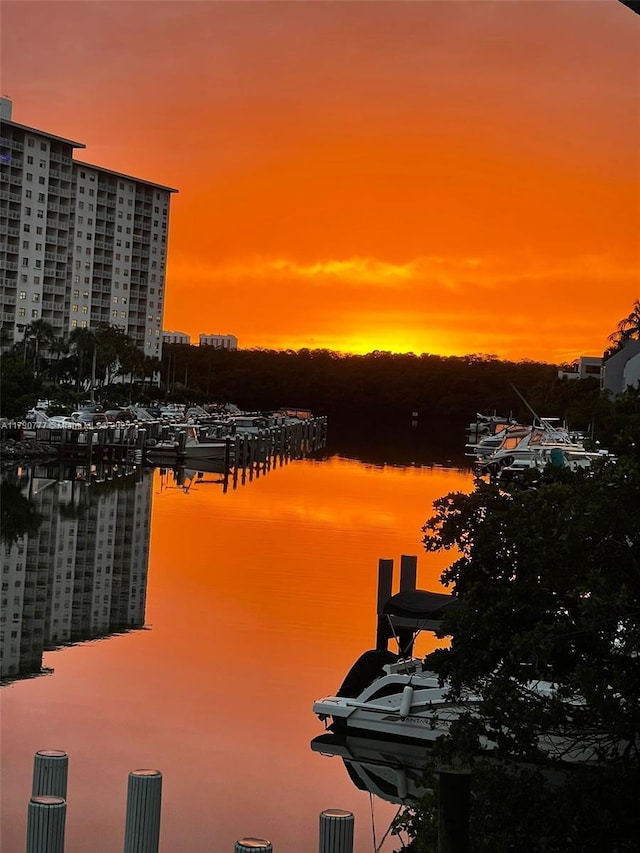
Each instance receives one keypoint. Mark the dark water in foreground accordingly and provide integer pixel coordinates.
(254, 602)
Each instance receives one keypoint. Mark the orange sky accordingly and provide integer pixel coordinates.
(445, 177)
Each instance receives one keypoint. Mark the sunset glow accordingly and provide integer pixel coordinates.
(444, 177)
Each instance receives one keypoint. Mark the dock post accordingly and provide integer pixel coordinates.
(45, 824)
(408, 576)
(142, 827)
(253, 845)
(50, 768)
(385, 586)
(408, 571)
(336, 831)
(454, 794)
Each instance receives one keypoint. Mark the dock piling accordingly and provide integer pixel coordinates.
(142, 826)
(253, 845)
(45, 824)
(50, 768)
(336, 831)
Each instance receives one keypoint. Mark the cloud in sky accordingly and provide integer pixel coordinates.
(431, 176)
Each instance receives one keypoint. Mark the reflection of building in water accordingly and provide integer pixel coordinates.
(81, 575)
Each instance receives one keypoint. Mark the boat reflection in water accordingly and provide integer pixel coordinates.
(74, 560)
(392, 770)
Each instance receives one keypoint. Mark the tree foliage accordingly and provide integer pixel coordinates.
(548, 575)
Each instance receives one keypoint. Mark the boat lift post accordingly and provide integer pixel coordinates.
(408, 578)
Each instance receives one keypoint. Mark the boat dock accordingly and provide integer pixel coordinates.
(139, 443)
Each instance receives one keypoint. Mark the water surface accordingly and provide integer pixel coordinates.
(258, 600)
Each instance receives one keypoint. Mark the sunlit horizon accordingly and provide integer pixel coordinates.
(443, 178)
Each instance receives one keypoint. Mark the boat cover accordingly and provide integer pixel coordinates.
(419, 604)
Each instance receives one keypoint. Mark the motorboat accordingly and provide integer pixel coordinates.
(536, 446)
(395, 696)
(193, 450)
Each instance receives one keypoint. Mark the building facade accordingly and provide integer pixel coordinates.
(176, 338)
(80, 245)
(219, 341)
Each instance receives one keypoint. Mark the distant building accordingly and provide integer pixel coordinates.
(220, 341)
(80, 245)
(586, 367)
(622, 369)
(176, 338)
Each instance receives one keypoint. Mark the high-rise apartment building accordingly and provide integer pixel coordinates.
(80, 245)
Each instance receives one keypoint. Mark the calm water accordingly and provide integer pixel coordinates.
(254, 601)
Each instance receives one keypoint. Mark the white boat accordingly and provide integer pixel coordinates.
(194, 450)
(521, 448)
(388, 696)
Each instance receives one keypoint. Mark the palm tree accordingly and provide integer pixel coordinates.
(58, 347)
(42, 333)
(84, 344)
(628, 329)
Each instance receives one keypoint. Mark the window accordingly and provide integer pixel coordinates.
(78, 264)
(85, 294)
(25, 244)
(36, 279)
(21, 312)
(76, 294)
(28, 193)
(84, 324)
(34, 312)
(29, 176)
(38, 247)
(76, 279)
(78, 233)
(30, 142)
(81, 205)
(35, 297)
(74, 323)
(85, 309)
(83, 174)
(87, 279)
(41, 179)
(43, 146)
(41, 197)
(38, 229)
(74, 308)
(23, 294)
(115, 300)
(81, 189)
(25, 262)
(40, 213)
(38, 264)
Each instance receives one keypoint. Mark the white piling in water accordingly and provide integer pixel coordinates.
(50, 768)
(45, 824)
(253, 845)
(142, 825)
(336, 831)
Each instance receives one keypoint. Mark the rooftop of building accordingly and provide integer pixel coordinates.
(38, 132)
(124, 175)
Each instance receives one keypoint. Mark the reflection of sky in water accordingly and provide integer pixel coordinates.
(258, 601)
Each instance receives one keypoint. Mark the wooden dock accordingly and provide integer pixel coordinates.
(244, 452)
